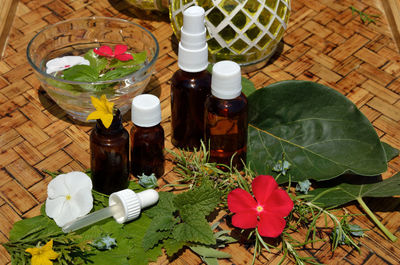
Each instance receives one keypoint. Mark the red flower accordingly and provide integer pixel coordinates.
(119, 52)
(266, 211)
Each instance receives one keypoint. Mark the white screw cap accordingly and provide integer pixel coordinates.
(146, 110)
(131, 203)
(193, 49)
(226, 80)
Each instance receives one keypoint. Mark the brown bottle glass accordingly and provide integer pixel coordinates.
(188, 94)
(109, 149)
(226, 129)
(147, 155)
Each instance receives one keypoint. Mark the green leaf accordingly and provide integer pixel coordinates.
(172, 246)
(345, 192)
(209, 252)
(81, 73)
(98, 63)
(138, 59)
(320, 131)
(210, 261)
(164, 207)
(390, 151)
(136, 231)
(118, 73)
(202, 200)
(247, 87)
(159, 229)
(195, 229)
(34, 227)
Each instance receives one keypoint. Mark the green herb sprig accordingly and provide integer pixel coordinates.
(365, 18)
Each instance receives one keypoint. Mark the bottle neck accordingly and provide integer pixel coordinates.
(115, 127)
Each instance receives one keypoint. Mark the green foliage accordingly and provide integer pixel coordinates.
(390, 151)
(103, 243)
(365, 18)
(343, 193)
(320, 131)
(101, 69)
(178, 220)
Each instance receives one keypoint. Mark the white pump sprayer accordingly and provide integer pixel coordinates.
(193, 49)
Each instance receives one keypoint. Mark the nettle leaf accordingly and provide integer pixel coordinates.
(172, 246)
(202, 200)
(320, 131)
(159, 229)
(209, 252)
(345, 192)
(164, 207)
(98, 63)
(81, 73)
(194, 230)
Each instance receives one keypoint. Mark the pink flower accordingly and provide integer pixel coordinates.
(266, 211)
(119, 52)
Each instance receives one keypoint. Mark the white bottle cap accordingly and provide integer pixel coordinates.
(146, 110)
(193, 49)
(226, 80)
(131, 203)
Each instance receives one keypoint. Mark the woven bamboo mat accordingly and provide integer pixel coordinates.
(324, 43)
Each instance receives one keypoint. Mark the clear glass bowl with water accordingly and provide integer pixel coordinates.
(75, 37)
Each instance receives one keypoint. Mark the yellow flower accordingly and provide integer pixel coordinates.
(104, 110)
(43, 255)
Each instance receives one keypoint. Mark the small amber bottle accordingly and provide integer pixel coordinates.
(226, 116)
(147, 137)
(109, 149)
(191, 84)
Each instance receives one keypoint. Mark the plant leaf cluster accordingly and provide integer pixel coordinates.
(100, 69)
(180, 219)
(321, 132)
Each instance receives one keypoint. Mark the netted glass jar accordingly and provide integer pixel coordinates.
(245, 31)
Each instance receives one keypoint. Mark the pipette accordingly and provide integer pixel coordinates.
(124, 205)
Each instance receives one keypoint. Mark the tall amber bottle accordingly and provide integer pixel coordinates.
(109, 149)
(226, 116)
(147, 137)
(191, 84)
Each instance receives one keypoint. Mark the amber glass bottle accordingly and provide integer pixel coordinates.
(188, 94)
(191, 84)
(109, 149)
(147, 137)
(226, 116)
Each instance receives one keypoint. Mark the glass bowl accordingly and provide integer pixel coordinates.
(75, 37)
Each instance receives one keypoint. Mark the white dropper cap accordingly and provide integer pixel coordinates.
(193, 49)
(124, 206)
(131, 203)
(226, 80)
(146, 110)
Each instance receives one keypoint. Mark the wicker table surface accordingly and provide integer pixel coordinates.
(324, 43)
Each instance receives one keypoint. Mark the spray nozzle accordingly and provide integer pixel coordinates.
(193, 49)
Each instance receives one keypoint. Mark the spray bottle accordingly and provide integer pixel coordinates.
(191, 84)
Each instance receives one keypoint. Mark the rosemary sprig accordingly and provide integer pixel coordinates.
(365, 18)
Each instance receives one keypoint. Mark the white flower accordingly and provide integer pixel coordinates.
(69, 196)
(62, 63)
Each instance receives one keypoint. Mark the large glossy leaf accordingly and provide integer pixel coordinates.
(346, 192)
(320, 131)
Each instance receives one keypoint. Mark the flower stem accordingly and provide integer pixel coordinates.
(375, 219)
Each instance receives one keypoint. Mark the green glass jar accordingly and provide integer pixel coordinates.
(244, 31)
